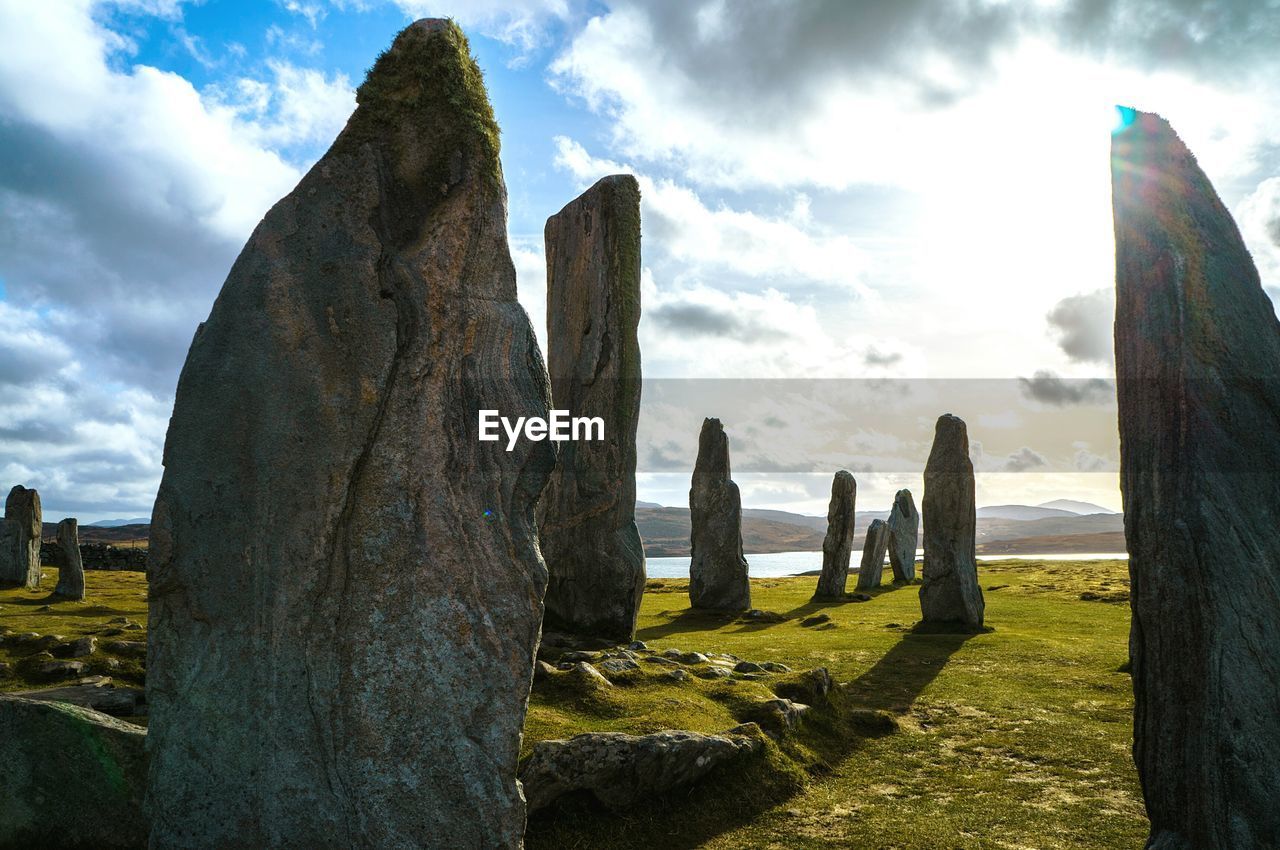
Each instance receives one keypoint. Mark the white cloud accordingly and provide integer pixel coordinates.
(520, 23)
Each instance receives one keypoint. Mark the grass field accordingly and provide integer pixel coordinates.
(1015, 738)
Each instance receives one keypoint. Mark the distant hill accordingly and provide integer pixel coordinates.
(133, 533)
(665, 532)
(991, 530)
(1076, 507)
(114, 523)
(1021, 512)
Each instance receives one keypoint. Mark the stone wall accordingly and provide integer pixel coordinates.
(98, 556)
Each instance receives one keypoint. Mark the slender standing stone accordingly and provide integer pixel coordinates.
(345, 585)
(1198, 382)
(837, 546)
(718, 570)
(71, 573)
(20, 535)
(904, 537)
(950, 593)
(586, 517)
(872, 567)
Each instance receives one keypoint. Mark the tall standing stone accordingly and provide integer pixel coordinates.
(904, 537)
(345, 585)
(717, 570)
(950, 593)
(1198, 381)
(871, 569)
(20, 535)
(586, 518)
(837, 546)
(71, 573)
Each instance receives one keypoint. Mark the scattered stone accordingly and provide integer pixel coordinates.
(78, 648)
(617, 666)
(780, 715)
(73, 777)
(837, 546)
(20, 533)
(658, 659)
(717, 570)
(748, 667)
(21, 638)
(950, 593)
(758, 616)
(677, 675)
(70, 568)
(47, 641)
(810, 687)
(120, 621)
(621, 770)
(691, 658)
(775, 667)
(1198, 385)
(542, 671)
(672, 652)
(904, 537)
(329, 521)
(637, 645)
(44, 609)
(60, 669)
(586, 516)
(584, 674)
(873, 549)
(135, 648)
(712, 673)
(816, 620)
(579, 655)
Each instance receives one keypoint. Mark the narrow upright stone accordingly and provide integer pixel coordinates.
(345, 585)
(872, 566)
(837, 546)
(71, 573)
(718, 570)
(904, 537)
(950, 593)
(586, 518)
(20, 535)
(1198, 382)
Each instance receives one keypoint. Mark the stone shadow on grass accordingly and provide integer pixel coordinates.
(898, 678)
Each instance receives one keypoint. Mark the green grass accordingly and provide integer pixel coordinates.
(1014, 738)
(109, 595)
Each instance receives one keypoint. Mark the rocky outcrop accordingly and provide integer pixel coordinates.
(950, 593)
(873, 550)
(717, 570)
(621, 770)
(1198, 382)
(837, 546)
(71, 570)
(72, 777)
(586, 518)
(345, 585)
(904, 537)
(20, 538)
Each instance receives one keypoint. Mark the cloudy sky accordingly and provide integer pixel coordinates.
(903, 199)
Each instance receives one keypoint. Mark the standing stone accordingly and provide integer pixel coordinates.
(718, 570)
(837, 546)
(950, 593)
(872, 567)
(20, 534)
(904, 537)
(345, 585)
(1198, 382)
(586, 518)
(71, 571)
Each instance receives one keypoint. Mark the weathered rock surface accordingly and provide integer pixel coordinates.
(1198, 380)
(871, 570)
(73, 778)
(587, 515)
(98, 693)
(345, 584)
(950, 593)
(904, 536)
(837, 546)
(71, 570)
(622, 770)
(20, 538)
(717, 570)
